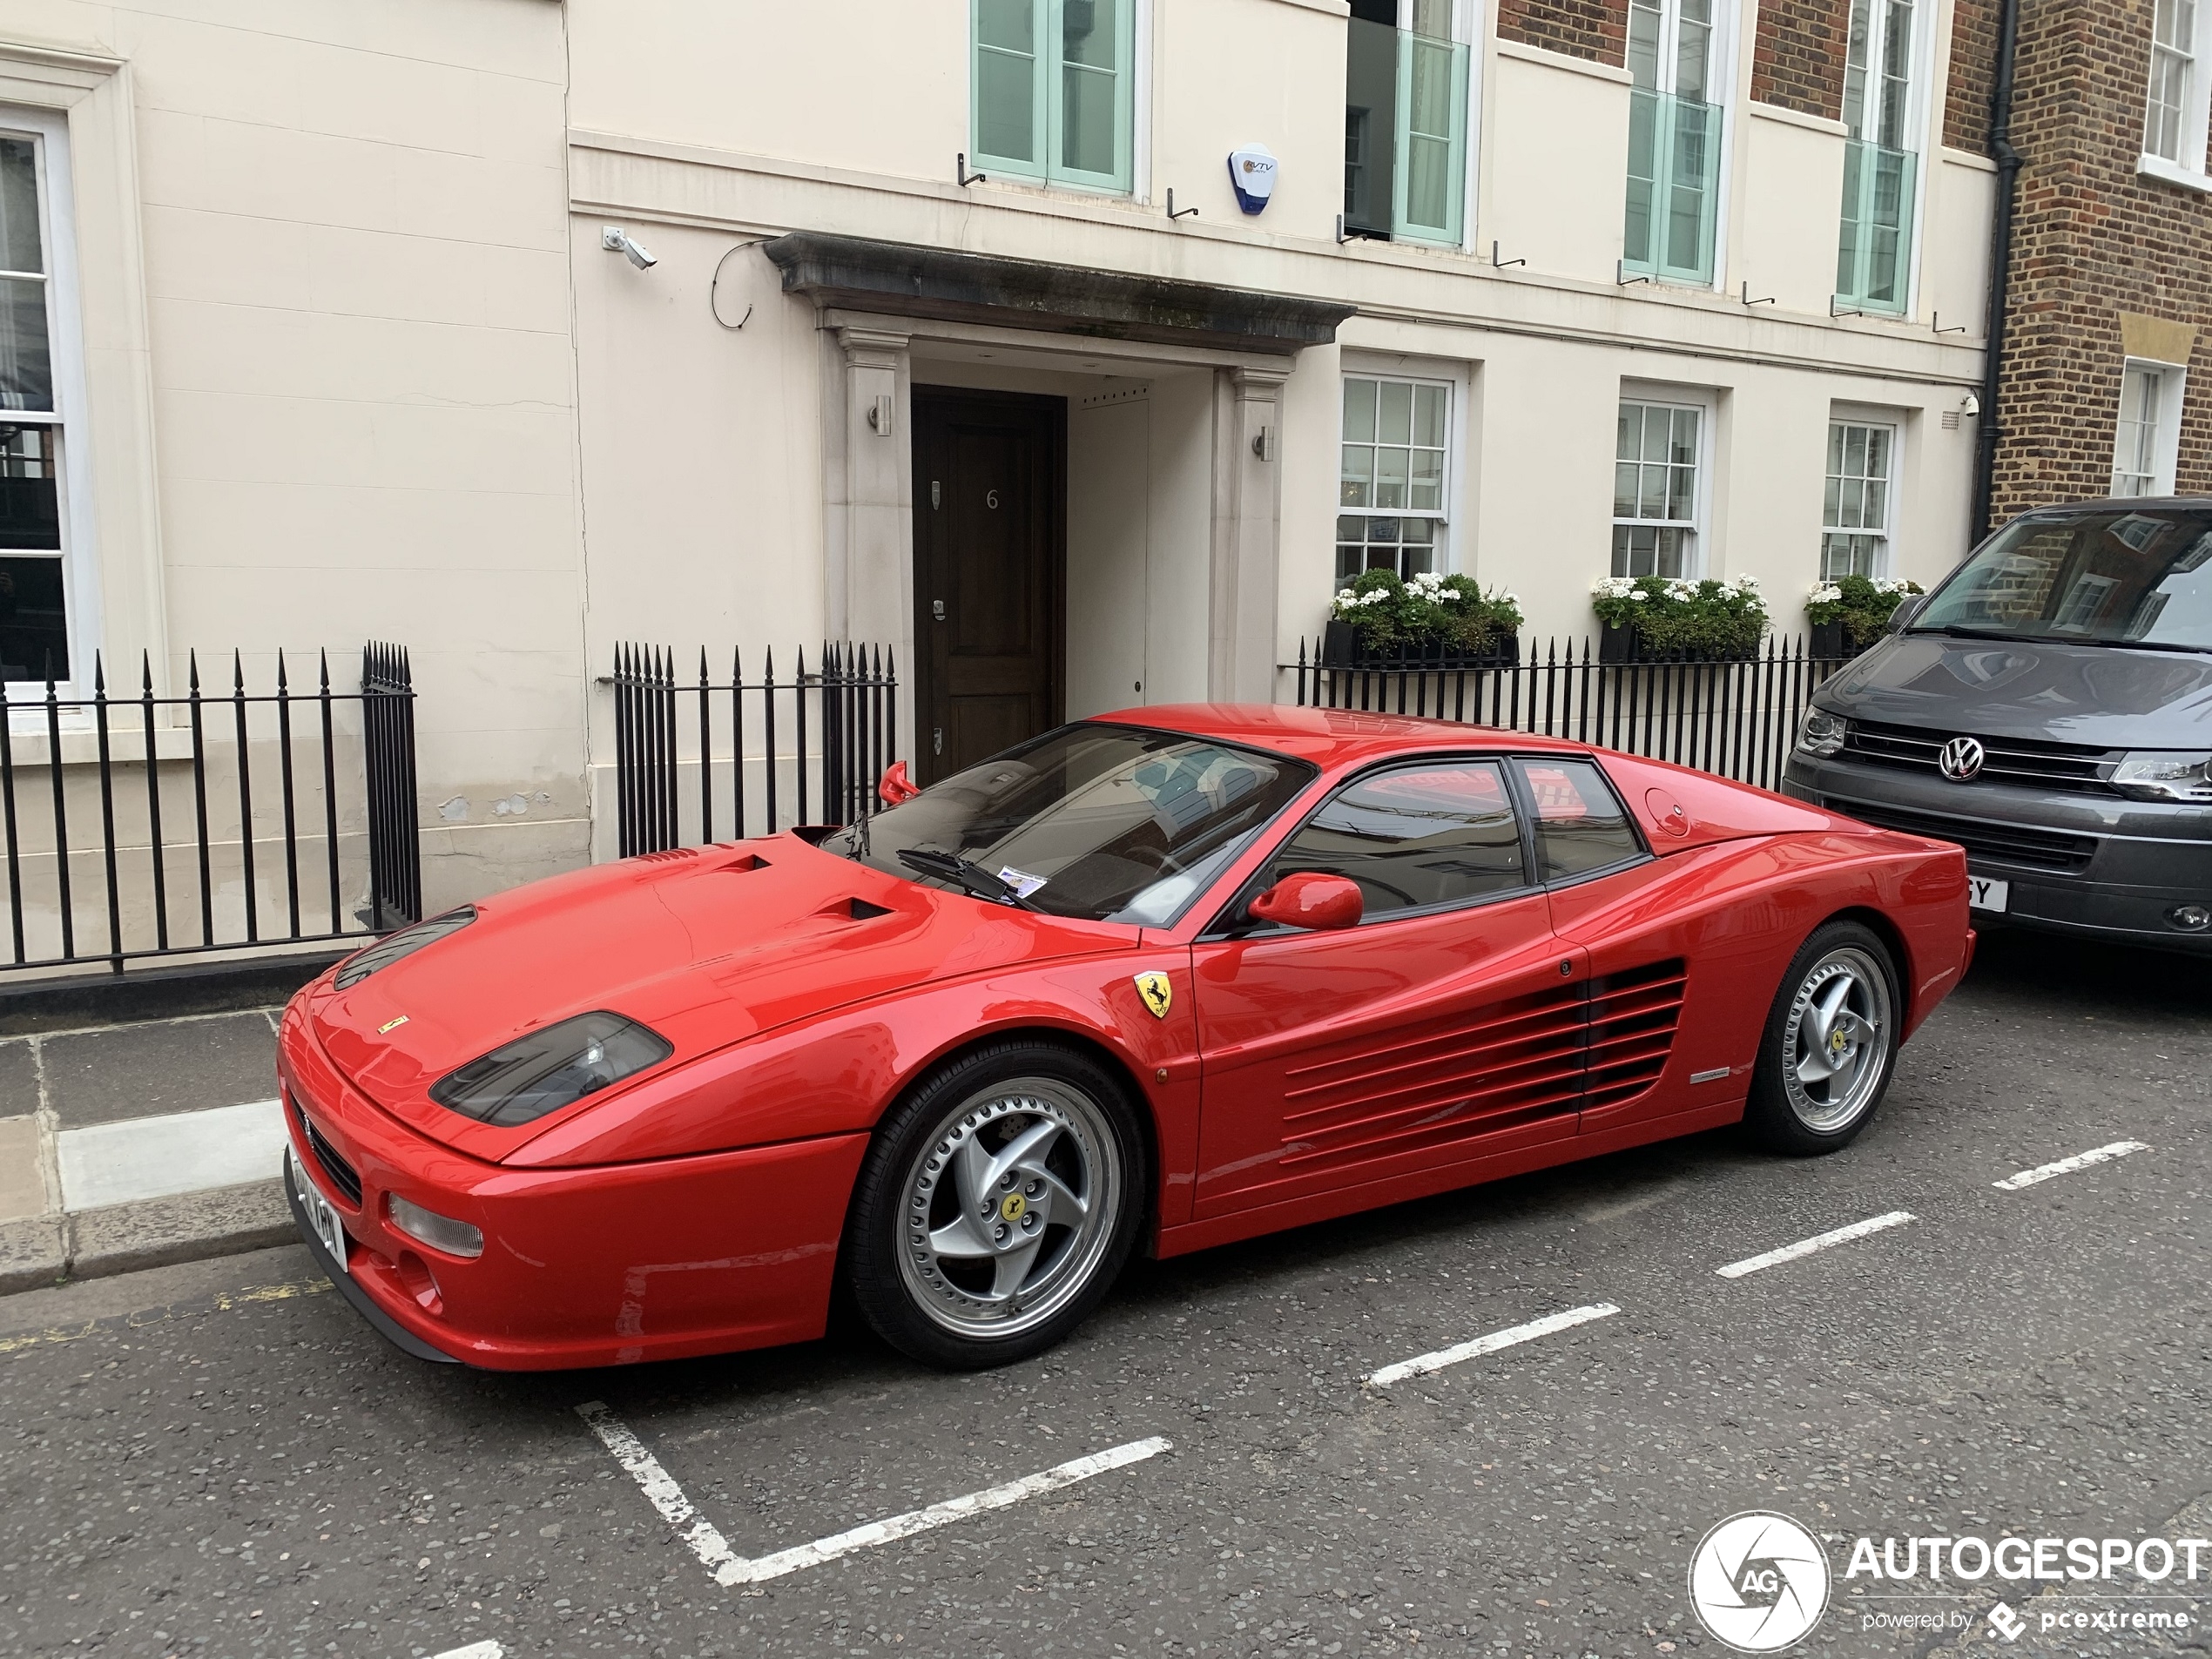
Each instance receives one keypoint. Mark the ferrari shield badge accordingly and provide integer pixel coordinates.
(1157, 993)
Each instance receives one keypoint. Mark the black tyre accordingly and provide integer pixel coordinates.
(1831, 1043)
(997, 1206)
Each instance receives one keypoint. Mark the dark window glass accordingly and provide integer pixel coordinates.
(1441, 833)
(34, 630)
(29, 508)
(2102, 576)
(1115, 823)
(1579, 823)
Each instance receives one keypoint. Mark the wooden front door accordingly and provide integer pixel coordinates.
(989, 555)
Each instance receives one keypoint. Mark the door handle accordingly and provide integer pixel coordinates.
(937, 739)
(937, 609)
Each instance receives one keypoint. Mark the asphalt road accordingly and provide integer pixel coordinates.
(222, 1460)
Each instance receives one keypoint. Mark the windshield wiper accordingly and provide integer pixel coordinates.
(1952, 631)
(961, 873)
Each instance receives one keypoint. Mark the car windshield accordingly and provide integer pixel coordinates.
(1111, 823)
(2106, 575)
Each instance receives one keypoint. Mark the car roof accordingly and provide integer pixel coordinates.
(1329, 738)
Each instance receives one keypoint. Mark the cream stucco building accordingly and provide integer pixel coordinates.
(335, 346)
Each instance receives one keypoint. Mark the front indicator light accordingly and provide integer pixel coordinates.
(429, 1227)
(1822, 733)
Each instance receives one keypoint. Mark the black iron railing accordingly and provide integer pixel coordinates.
(164, 825)
(761, 753)
(1737, 718)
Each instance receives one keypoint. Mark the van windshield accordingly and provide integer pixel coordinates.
(1110, 823)
(2104, 574)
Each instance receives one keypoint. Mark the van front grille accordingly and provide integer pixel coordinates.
(2026, 762)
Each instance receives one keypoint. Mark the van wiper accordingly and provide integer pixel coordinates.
(963, 874)
(1952, 631)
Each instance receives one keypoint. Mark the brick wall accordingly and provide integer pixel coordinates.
(2091, 239)
(1797, 55)
(1594, 29)
(1973, 71)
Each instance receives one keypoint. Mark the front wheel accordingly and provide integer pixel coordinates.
(997, 1206)
(1831, 1043)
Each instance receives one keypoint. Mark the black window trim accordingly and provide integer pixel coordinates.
(1528, 804)
(1225, 924)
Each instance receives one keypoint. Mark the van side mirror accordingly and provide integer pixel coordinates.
(1907, 608)
(1309, 899)
(896, 786)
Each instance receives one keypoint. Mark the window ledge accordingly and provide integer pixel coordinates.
(1788, 117)
(2173, 172)
(27, 746)
(1567, 61)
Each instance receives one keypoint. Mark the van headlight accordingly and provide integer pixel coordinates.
(2165, 774)
(1822, 733)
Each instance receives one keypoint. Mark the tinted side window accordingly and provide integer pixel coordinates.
(1581, 824)
(1441, 833)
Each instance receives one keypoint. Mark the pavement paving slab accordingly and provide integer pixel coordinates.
(159, 1068)
(18, 1078)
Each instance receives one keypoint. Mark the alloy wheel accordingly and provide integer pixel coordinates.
(1835, 1044)
(1007, 1211)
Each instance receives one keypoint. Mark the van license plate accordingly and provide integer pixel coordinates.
(1987, 893)
(322, 1214)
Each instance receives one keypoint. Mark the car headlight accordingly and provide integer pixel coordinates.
(1822, 733)
(429, 1227)
(548, 1069)
(2165, 774)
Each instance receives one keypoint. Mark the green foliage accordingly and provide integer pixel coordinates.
(1695, 619)
(1431, 612)
(1861, 603)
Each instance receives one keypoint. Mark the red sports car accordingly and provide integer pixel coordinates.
(1159, 980)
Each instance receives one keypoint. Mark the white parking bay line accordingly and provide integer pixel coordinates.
(1807, 1246)
(2067, 1166)
(475, 1651)
(159, 1158)
(731, 1568)
(1480, 1346)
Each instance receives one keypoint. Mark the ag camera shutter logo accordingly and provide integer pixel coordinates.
(1759, 1582)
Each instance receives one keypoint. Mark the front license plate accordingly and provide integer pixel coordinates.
(322, 1216)
(1987, 893)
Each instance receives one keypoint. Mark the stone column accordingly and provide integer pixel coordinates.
(868, 521)
(1240, 654)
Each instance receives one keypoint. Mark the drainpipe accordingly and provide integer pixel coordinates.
(2000, 265)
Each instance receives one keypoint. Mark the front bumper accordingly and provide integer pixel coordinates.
(610, 1265)
(2096, 867)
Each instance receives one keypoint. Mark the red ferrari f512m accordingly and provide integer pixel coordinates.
(1156, 981)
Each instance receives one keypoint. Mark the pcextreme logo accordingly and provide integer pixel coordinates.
(1759, 1582)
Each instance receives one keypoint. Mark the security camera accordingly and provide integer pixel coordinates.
(616, 241)
(1970, 406)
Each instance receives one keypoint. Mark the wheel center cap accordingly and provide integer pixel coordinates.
(1013, 1207)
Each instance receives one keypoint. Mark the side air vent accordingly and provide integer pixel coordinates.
(343, 1175)
(1632, 1018)
(1514, 1061)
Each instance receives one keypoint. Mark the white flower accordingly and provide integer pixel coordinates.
(1748, 584)
(1639, 595)
(1614, 587)
(1824, 593)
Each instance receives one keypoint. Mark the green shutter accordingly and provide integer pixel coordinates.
(1007, 94)
(1429, 184)
(1090, 98)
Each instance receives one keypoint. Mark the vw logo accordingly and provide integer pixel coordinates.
(1759, 1582)
(1961, 760)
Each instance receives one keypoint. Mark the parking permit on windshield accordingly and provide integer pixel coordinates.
(1022, 883)
(1987, 893)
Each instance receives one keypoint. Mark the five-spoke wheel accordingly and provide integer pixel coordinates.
(1830, 1042)
(996, 1206)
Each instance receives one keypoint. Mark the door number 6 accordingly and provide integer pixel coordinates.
(991, 499)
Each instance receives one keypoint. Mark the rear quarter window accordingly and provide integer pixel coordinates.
(1581, 824)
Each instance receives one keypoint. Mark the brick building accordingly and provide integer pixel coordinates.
(2110, 268)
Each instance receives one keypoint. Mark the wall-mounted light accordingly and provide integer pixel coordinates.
(1263, 443)
(614, 239)
(1970, 406)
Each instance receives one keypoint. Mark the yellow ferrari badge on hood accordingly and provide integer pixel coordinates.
(1159, 994)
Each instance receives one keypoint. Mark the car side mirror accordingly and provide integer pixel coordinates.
(896, 786)
(1310, 900)
(1907, 608)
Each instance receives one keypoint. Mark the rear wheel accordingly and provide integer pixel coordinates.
(997, 1206)
(1831, 1043)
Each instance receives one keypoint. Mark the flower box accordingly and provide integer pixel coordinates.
(1662, 619)
(1431, 623)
